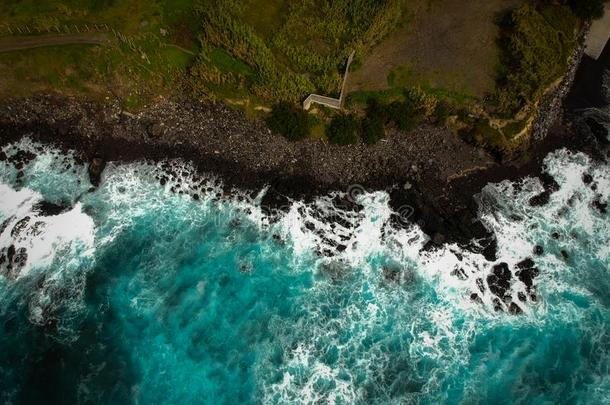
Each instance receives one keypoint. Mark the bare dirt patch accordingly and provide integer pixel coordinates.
(447, 43)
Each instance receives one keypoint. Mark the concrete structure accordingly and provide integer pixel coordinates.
(599, 35)
(336, 103)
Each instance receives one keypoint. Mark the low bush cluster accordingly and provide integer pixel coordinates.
(536, 43)
(303, 46)
(290, 121)
(414, 108)
(479, 132)
(587, 9)
(343, 129)
(372, 130)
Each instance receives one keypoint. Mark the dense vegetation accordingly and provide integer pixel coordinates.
(150, 58)
(478, 131)
(255, 53)
(536, 44)
(249, 51)
(301, 50)
(291, 121)
(587, 9)
(412, 108)
(343, 129)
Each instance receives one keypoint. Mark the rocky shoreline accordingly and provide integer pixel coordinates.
(429, 169)
(551, 106)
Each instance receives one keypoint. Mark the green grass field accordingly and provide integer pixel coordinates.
(293, 48)
(242, 54)
(149, 65)
(252, 54)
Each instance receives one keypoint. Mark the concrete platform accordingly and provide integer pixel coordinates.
(599, 35)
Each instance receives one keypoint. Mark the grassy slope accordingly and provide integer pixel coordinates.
(249, 53)
(298, 48)
(134, 74)
(535, 44)
(293, 47)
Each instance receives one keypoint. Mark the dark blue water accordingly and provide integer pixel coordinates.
(135, 294)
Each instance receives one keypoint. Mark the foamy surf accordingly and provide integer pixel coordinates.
(39, 238)
(190, 293)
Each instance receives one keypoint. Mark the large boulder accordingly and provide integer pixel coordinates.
(96, 168)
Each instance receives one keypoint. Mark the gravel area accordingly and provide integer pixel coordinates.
(429, 169)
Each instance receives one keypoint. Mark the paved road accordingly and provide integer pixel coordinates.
(18, 43)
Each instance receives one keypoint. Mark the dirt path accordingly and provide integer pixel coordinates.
(19, 43)
(448, 43)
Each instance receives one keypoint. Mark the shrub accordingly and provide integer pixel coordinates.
(480, 133)
(587, 9)
(290, 121)
(372, 130)
(376, 110)
(441, 113)
(512, 129)
(374, 122)
(402, 114)
(422, 104)
(343, 130)
(309, 39)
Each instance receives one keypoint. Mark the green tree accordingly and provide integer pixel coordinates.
(343, 130)
(587, 9)
(377, 110)
(402, 114)
(372, 130)
(442, 112)
(290, 121)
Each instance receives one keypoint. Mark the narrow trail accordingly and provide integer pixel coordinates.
(20, 43)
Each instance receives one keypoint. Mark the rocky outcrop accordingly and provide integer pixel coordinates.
(95, 170)
(431, 173)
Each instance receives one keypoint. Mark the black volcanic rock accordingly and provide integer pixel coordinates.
(475, 297)
(550, 186)
(96, 168)
(526, 272)
(514, 309)
(48, 209)
(20, 226)
(499, 280)
(600, 206)
(540, 199)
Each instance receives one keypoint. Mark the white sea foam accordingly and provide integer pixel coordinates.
(518, 228)
(438, 327)
(51, 253)
(43, 237)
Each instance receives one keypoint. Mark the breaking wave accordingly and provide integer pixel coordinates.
(158, 288)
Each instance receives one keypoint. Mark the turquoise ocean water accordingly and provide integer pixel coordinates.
(136, 294)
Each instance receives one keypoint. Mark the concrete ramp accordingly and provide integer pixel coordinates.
(598, 35)
(336, 103)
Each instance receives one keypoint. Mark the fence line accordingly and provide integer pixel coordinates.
(13, 30)
(27, 29)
